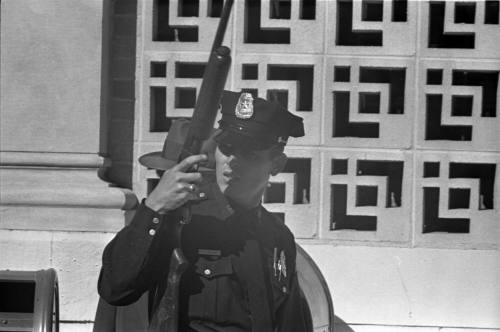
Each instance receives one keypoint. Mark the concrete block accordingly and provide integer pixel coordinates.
(350, 120)
(123, 46)
(453, 329)
(445, 220)
(76, 327)
(474, 39)
(122, 68)
(346, 217)
(47, 218)
(126, 7)
(471, 127)
(77, 259)
(358, 34)
(299, 77)
(260, 29)
(301, 202)
(124, 24)
(25, 250)
(385, 328)
(183, 71)
(123, 88)
(203, 22)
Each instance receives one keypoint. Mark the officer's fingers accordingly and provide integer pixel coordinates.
(195, 177)
(192, 195)
(181, 188)
(189, 162)
(167, 178)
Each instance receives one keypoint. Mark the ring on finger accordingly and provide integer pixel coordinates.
(192, 187)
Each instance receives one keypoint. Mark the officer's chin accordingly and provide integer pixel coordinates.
(235, 192)
(242, 195)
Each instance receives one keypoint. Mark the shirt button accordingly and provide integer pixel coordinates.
(207, 272)
(284, 289)
(156, 220)
(152, 232)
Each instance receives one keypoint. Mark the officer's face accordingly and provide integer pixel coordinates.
(242, 175)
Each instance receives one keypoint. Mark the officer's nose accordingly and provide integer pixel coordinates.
(232, 161)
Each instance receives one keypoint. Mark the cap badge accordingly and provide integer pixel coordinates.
(244, 107)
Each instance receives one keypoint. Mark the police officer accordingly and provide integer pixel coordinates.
(241, 275)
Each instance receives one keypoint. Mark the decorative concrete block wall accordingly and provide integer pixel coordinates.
(393, 191)
(399, 164)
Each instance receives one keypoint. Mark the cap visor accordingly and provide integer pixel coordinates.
(246, 142)
(156, 161)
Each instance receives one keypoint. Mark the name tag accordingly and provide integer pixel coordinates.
(209, 252)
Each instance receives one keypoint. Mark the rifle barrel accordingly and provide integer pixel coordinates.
(221, 28)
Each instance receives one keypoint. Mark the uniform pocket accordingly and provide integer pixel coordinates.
(213, 268)
(221, 298)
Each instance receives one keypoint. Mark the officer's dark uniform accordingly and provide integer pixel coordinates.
(242, 274)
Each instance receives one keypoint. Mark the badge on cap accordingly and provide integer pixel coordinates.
(244, 107)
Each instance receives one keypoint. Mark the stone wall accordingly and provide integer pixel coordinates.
(55, 210)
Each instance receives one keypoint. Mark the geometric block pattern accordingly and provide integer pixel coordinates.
(371, 27)
(460, 105)
(400, 101)
(459, 197)
(282, 26)
(368, 104)
(292, 81)
(171, 84)
(460, 28)
(181, 25)
(293, 193)
(368, 200)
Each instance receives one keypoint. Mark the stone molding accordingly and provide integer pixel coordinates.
(51, 159)
(60, 191)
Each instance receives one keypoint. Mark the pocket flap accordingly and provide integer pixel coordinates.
(209, 268)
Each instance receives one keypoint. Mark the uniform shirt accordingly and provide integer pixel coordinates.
(241, 275)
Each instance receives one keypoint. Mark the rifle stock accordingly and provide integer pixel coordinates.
(166, 317)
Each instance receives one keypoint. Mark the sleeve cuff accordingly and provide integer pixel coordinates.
(146, 220)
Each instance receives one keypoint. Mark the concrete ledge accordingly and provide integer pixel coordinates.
(87, 327)
(62, 218)
(395, 328)
(75, 327)
(58, 178)
(51, 159)
(72, 196)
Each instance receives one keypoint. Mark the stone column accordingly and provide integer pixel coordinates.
(55, 210)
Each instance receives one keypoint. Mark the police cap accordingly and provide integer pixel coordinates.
(255, 123)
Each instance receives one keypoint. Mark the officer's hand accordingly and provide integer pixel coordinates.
(176, 187)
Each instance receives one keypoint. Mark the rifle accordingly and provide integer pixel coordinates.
(166, 316)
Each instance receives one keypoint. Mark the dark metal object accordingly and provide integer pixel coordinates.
(44, 316)
(166, 316)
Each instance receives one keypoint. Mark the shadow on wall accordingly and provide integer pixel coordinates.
(118, 89)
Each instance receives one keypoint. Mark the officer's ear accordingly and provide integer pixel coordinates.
(279, 162)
